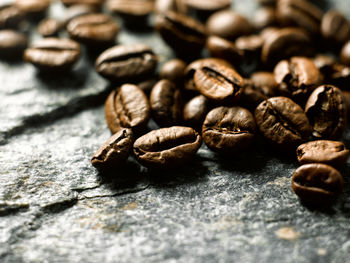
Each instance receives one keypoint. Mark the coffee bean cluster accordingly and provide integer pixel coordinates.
(283, 76)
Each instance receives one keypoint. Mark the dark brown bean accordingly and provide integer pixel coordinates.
(326, 111)
(114, 151)
(94, 30)
(218, 82)
(332, 153)
(166, 104)
(229, 130)
(173, 70)
(93, 3)
(53, 54)
(207, 6)
(335, 28)
(221, 48)
(167, 147)
(78, 10)
(49, 27)
(126, 62)
(317, 184)
(132, 11)
(10, 16)
(297, 78)
(282, 122)
(127, 107)
(195, 112)
(250, 46)
(12, 44)
(163, 6)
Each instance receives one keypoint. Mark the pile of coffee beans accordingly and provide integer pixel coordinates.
(283, 77)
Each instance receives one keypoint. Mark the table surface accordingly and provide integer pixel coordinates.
(55, 207)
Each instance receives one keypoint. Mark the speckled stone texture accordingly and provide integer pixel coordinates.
(55, 207)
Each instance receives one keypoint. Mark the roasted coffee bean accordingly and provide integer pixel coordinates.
(163, 6)
(10, 16)
(300, 13)
(282, 122)
(229, 130)
(173, 70)
(317, 184)
(218, 82)
(12, 44)
(265, 17)
(346, 95)
(167, 147)
(285, 43)
(326, 111)
(197, 64)
(127, 107)
(268, 31)
(345, 54)
(126, 62)
(221, 48)
(132, 11)
(93, 3)
(297, 78)
(182, 33)
(266, 82)
(49, 27)
(228, 24)
(78, 10)
(166, 104)
(114, 151)
(332, 153)
(250, 46)
(325, 64)
(95, 30)
(33, 7)
(207, 6)
(53, 54)
(335, 28)
(195, 112)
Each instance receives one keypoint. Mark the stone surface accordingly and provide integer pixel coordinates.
(55, 207)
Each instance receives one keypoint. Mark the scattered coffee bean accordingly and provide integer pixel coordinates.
(182, 33)
(127, 107)
(317, 184)
(114, 151)
(221, 48)
(195, 112)
(207, 6)
(250, 46)
(228, 24)
(218, 82)
(285, 43)
(326, 111)
(167, 147)
(265, 17)
(126, 62)
(53, 54)
(166, 103)
(33, 7)
(49, 27)
(173, 70)
(297, 78)
(335, 28)
(345, 54)
(282, 122)
(10, 16)
(94, 30)
(93, 3)
(332, 153)
(229, 130)
(78, 10)
(163, 6)
(12, 44)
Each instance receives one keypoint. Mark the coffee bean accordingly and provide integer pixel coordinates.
(285, 43)
(297, 78)
(221, 48)
(166, 104)
(345, 54)
(182, 33)
(147, 84)
(167, 147)
(114, 151)
(300, 13)
(268, 31)
(53, 54)
(173, 70)
(266, 82)
(335, 28)
(126, 62)
(132, 11)
(228, 24)
(317, 184)
(332, 153)
(218, 82)
(78, 10)
(163, 6)
(250, 46)
(93, 3)
(282, 122)
(195, 112)
(33, 7)
(229, 130)
(265, 17)
(10, 16)
(12, 44)
(207, 6)
(127, 107)
(326, 111)
(49, 27)
(346, 95)
(94, 30)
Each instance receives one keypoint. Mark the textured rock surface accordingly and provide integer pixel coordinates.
(55, 207)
